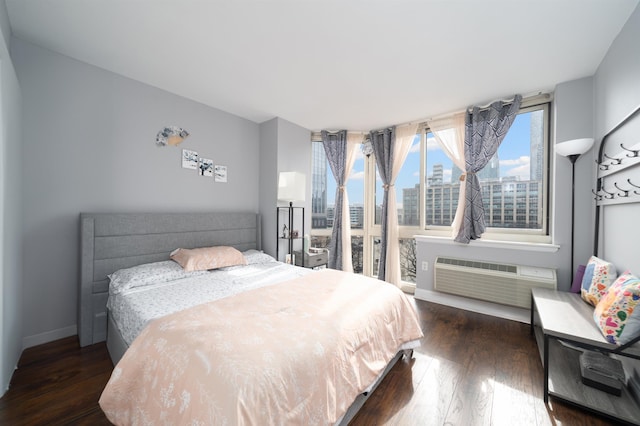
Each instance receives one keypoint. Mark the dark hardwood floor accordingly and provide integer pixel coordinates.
(472, 369)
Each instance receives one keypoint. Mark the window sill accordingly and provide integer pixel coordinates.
(510, 245)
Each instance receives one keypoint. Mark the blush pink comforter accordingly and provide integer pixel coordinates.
(295, 353)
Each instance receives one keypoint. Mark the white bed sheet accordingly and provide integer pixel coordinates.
(133, 309)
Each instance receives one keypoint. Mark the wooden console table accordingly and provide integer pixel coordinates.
(563, 325)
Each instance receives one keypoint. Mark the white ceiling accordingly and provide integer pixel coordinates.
(337, 64)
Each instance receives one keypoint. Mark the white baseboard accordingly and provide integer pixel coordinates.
(479, 306)
(49, 336)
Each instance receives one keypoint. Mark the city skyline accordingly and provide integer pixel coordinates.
(514, 161)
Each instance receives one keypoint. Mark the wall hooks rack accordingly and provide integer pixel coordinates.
(603, 194)
(627, 170)
(634, 152)
(609, 195)
(634, 185)
(614, 161)
(598, 197)
(623, 192)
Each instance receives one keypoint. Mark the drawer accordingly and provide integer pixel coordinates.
(311, 260)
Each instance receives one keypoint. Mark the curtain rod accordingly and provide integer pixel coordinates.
(527, 101)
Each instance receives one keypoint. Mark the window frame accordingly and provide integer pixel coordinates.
(372, 230)
(541, 235)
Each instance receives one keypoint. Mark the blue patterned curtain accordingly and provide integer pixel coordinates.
(383, 142)
(335, 147)
(484, 131)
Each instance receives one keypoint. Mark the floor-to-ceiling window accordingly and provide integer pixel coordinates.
(514, 191)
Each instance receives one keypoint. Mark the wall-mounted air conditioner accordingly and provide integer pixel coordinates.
(494, 282)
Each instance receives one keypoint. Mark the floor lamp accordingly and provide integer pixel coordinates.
(573, 149)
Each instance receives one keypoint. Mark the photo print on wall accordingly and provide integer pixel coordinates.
(189, 159)
(205, 167)
(221, 174)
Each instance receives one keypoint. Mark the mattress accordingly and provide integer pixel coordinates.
(133, 309)
(296, 352)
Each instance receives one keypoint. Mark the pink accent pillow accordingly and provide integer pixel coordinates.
(201, 259)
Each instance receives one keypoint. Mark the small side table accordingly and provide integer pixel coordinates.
(312, 260)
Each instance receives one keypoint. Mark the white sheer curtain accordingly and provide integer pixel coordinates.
(449, 133)
(353, 143)
(404, 139)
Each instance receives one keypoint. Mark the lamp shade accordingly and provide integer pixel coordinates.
(291, 187)
(574, 147)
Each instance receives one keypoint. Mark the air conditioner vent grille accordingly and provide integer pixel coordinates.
(477, 265)
(491, 281)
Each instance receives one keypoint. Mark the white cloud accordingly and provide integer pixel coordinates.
(432, 144)
(356, 175)
(521, 172)
(519, 167)
(522, 161)
(415, 147)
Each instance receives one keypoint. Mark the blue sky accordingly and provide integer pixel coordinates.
(513, 154)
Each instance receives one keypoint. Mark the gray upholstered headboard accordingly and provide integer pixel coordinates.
(112, 241)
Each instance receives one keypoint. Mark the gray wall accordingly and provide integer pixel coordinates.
(268, 183)
(294, 155)
(89, 146)
(574, 119)
(617, 81)
(10, 211)
(617, 93)
(284, 147)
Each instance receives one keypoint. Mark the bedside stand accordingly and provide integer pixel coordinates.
(312, 260)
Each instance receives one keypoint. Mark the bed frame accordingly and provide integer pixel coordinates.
(112, 241)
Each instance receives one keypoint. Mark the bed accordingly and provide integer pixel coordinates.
(168, 372)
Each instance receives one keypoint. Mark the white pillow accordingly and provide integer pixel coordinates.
(254, 257)
(147, 274)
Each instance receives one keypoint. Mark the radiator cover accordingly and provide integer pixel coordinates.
(491, 281)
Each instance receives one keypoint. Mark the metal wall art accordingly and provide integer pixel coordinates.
(171, 135)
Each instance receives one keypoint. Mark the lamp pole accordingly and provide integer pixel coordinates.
(573, 149)
(573, 159)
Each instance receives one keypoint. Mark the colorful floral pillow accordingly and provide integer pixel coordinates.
(598, 276)
(618, 312)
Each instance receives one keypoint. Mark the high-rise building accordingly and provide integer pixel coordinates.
(536, 157)
(410, 214)
(490, 172)
(329, 216)
(455, 173)
(437, 177)
(441, 202)
(508, 204)
(319, 187)
(356, 215)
